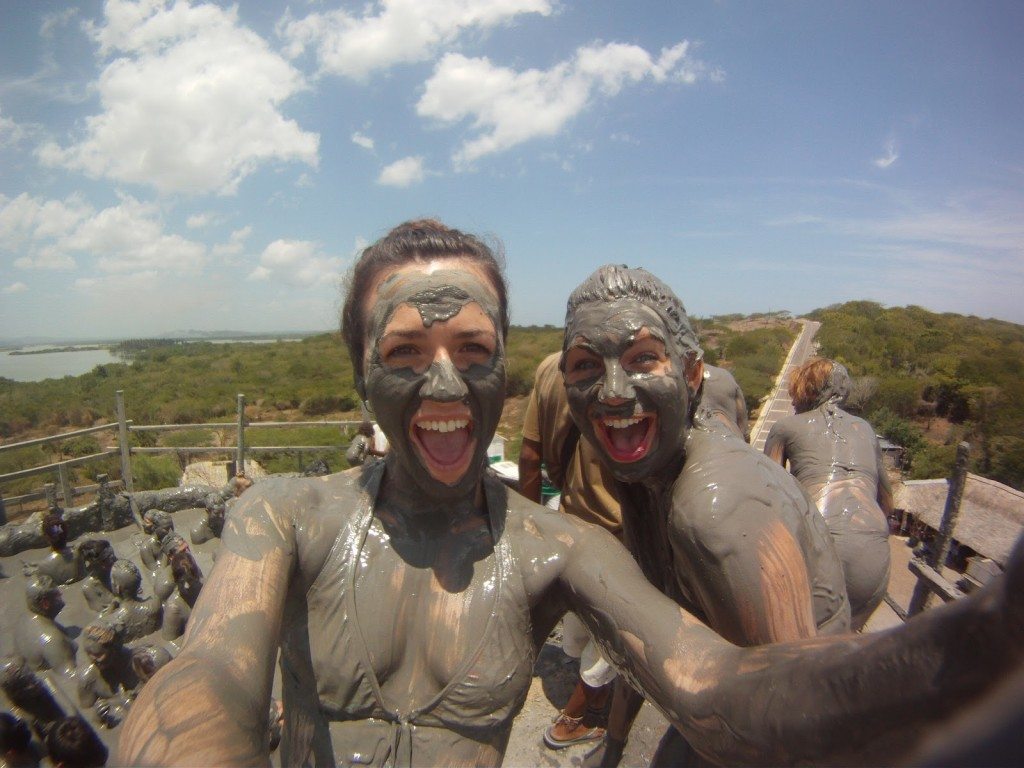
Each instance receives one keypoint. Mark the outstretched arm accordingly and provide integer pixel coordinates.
(822, 700)
(209, 705)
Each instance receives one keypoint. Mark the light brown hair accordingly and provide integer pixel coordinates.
(807, 381)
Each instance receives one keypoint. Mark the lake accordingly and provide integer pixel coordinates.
(56, 365)
(52, 365)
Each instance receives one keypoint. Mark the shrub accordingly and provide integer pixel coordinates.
(154, 472)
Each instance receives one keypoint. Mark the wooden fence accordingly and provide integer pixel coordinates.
(124, 427)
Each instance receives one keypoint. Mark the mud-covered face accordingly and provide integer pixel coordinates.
(435, 371)
(98, 653)
(626, 384)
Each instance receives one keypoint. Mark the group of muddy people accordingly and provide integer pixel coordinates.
(66, 685)
(405, 600)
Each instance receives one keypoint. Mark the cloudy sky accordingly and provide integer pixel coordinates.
(172, 165)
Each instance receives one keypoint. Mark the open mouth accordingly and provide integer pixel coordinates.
(445, 445)
(626, 439)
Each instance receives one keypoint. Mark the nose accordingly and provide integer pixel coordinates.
(616, 386)
(443, 382)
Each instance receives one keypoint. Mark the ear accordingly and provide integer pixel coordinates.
(694, 375)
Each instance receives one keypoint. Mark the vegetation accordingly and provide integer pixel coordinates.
(927, 381)
(196, 383)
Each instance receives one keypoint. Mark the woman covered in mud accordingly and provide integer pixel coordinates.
(836, 458)
(408, 596)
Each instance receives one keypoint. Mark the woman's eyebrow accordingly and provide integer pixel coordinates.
(417, 333)
(475, 332)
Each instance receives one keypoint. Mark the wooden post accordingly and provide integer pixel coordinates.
(51, 495)
(939, 548)
(240, 445)
(122, 439)
(66, 490)
(3, 510)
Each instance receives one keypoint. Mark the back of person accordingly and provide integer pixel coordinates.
(722, 397)
(828, 444)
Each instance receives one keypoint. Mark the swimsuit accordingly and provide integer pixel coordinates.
(334, 709)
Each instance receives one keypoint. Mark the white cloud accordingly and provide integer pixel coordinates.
(402, 173)
(191, 101)
(128, 237)
(361, 140)
(395, 31)
(199, 220)
(32, 226)
(890, 156)
(296, 262)
(15, 288)
(509, 107)
(11, 133)
(51, 21)
(235, 244)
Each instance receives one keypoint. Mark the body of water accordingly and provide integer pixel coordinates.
(56, 365)
(52, 365)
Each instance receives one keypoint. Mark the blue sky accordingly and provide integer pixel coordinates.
(172, 165)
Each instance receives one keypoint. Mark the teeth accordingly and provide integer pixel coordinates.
(444, 426)
(621, 423)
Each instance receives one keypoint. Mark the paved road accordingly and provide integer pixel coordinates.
(779, 405)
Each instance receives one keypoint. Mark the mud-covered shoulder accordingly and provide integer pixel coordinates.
(290, 513)
(543, 541)
(723, 476)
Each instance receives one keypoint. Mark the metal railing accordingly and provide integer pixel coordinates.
(125, 450)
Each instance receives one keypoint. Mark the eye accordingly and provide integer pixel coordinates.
(585, 364)
(401, 351)
(475, 348)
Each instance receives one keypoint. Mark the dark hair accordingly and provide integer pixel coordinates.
(14, 733)
(617, 281)
(24, 689)
(92, 550)
(413, 242)
(73, 742)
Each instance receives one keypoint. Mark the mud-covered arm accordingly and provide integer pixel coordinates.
(741, 414)
(884, 486)
(742, 564)
(853, 699)
(775, 446)
(209, 706)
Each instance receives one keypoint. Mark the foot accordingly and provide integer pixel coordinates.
(566, 731)
(607, 754)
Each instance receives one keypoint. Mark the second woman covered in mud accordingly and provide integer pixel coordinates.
(836, 458)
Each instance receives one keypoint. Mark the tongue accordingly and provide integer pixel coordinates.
(445, 447)
(628, 440)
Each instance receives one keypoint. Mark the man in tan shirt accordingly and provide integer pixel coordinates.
(587, 491)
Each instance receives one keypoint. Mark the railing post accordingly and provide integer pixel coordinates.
(122, 439)
(3, 510)
(51, 495)
(66, 490)
(240, 444)
(939, 549)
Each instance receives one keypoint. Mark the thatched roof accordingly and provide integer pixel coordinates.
(991, 515)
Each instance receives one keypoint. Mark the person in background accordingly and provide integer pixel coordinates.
(836, 457)
(713, 524)
(551, 440)
(721, 397)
